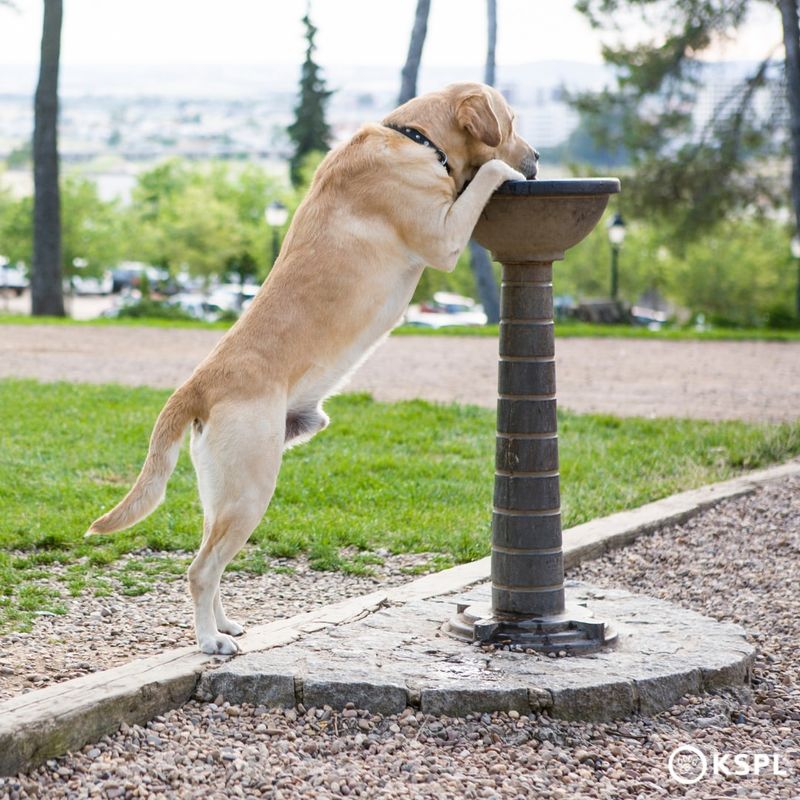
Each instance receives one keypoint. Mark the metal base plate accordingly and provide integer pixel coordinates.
(574, 631)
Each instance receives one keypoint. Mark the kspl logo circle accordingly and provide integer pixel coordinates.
(687, 764)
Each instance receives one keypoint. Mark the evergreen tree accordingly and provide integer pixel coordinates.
(309, 132)
(695, 170)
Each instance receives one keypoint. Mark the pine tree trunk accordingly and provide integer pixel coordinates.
(408, 83)
(480, 261)
(46, 291)
(485, 283)
(791, 40)
(491, 41)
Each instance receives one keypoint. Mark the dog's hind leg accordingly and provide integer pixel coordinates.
(225, 625)
(237, 455)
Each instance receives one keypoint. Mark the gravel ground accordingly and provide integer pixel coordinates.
(739, 561)
(101, 632)
(629, 377)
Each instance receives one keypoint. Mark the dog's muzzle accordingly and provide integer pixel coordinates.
(530, 165)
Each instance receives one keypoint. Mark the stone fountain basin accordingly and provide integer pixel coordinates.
(540, 220)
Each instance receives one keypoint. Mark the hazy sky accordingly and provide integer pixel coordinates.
(350, 32)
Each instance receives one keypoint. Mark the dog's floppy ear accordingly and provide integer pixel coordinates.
(476, 115)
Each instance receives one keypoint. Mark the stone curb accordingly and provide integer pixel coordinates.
(49, 722)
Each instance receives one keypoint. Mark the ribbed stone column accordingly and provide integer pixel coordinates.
(527, 563)
(528, 225)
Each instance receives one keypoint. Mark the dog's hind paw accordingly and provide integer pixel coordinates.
(230, 627)
(219, 645)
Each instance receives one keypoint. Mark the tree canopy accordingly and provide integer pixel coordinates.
(205, 219)
(696, 157)
(91, 231)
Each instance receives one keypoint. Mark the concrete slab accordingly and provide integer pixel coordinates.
(399, 656)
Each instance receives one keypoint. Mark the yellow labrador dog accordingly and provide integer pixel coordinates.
(397, 197)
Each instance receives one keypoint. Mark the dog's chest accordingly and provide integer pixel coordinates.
(373, 325)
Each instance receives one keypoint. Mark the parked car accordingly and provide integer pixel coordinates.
(603, 311)
(12, 279)
(651, 318)
(198, 306)
(128, 275)
(446, 309)
(87, 284)
(233, 296)
(563, 307)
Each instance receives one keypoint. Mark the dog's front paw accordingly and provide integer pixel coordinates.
(508, 173)
(502, 172)
(220, 644)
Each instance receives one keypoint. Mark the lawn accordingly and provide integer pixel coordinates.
(568, 329)
(407, 477)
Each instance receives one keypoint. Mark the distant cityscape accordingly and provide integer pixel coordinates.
(116, 121)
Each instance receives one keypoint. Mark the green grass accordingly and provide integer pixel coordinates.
(410, 477)
(585, 329)
(563, 329)
(125, 322)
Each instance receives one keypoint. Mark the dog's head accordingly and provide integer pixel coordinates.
(472, 123)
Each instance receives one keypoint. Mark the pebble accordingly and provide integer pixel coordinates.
(56, 650)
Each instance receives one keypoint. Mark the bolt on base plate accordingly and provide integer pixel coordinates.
(574, 631)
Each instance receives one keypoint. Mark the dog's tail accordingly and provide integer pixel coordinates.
(165, 443)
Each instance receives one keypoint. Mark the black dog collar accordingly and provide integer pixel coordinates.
(420, 138)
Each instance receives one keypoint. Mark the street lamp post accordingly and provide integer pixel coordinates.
(276, 215)
(616, 236)
(795, 248)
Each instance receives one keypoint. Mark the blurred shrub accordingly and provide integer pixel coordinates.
(153, 309)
